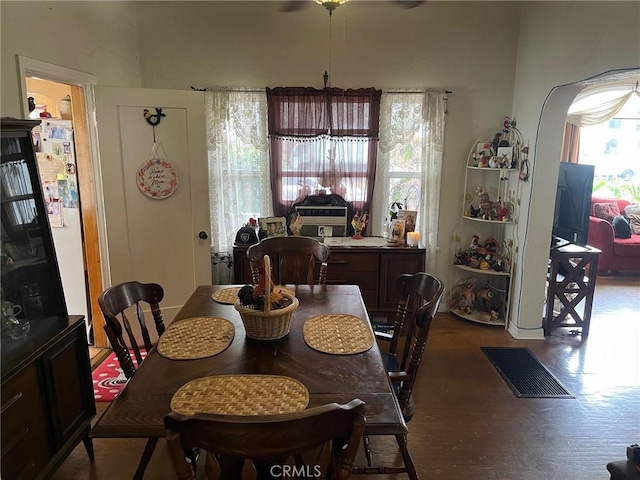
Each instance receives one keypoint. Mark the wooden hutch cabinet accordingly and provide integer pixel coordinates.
(46, 389)
(374, 267)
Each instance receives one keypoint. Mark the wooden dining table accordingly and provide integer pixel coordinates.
(139, 410)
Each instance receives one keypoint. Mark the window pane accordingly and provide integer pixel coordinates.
(406, 158)
(246, 157)
(325, 165)
(405, 191)
(248, 205)
(614, 151)
(295, 187)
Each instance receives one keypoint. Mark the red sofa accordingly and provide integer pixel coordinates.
(617, 253)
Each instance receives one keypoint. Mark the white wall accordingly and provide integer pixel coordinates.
(93, 37)
(560, 43)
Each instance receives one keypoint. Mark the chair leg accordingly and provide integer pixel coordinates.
(192, 455)
(366, 443)
(408, 468)
(146, 456)
(406, 456)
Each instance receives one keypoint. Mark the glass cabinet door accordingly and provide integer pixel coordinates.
(31, 286)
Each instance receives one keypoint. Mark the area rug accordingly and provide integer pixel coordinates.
(108, 379)
(524, 374)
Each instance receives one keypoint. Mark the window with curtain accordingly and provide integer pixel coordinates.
(239, 185)
(410, 161)
(322, 141)
(606, 120)
(406, 162)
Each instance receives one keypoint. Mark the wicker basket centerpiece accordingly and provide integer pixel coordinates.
(265, 311)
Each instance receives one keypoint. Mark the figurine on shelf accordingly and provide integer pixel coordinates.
(495, 142)
(482, 255)
(502, 211)
(474, 212)
(463, 295)
(474, 243)
(507, 124)
(486, 205)
(359, 224)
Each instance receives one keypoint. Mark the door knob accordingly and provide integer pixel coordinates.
(203, 235)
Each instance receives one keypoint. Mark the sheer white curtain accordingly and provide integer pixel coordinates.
(410, 158)
(239, 183)
(595, 106)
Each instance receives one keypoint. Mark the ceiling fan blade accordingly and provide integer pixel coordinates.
(409, 3)
(293, 5)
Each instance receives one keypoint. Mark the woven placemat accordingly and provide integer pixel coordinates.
(196, 337)
(241, 395)
(337, 334)
(228, 296)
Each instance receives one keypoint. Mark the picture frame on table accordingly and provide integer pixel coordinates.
(409, 217)
(274, 226)
(397, 231)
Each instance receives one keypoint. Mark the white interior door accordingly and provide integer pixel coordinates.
(152, 240)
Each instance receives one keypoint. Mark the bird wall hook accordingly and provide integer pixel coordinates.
(152, 119)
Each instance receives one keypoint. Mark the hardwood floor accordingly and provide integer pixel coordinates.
(468, 424)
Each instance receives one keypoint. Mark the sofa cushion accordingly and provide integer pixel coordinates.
(634, 222)
(606, 211)
(631, 209)
(627, 247)
(621, 203)
(621, 227)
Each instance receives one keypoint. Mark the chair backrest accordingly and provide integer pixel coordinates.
(113, 303)
(420, 296)
(242, 446)
(296, 259)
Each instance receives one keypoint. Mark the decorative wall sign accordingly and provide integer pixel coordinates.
(157, 179)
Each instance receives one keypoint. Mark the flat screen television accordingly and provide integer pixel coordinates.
(573, 202)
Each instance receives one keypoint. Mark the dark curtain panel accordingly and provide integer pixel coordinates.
(322, 141)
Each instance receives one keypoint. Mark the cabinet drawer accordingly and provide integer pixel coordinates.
(24, 436)
(358, 268)
(353, 262)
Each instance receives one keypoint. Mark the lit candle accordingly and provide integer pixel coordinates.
(413, 238)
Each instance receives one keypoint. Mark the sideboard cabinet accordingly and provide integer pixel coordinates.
(47, 398)
(46, 393)
(374, 267)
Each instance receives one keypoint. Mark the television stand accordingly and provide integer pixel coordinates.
(571, 283)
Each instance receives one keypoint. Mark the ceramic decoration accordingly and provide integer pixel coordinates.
(157, 178)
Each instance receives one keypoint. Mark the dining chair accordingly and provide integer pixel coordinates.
(114, 302)
(420, 296)
(272, 445)
(293, 257)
